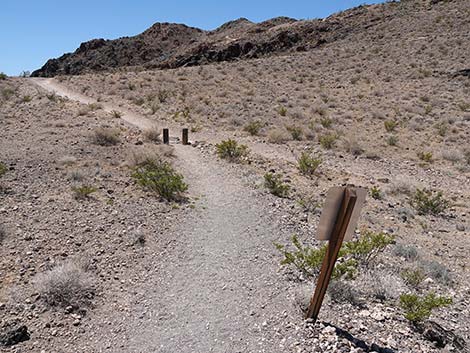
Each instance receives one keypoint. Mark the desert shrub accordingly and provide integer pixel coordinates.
(352, 146)
(296, 132)
(392, 140)
(326, 122)
(160, 177)
(163, 95)
(139, 156)
(352, 255)
(342, 291)
(390, 125)
(3, 76)
(425, 156)
(381, 284)
(253, 127)
(67, 160)
(452, 155)
(282, 111)
(408, 252)
(413, 277)
(376, 193)
(278, 136)
(105, 137)
(76, 175)
(418, 308)
(7, 93)
(328, 141)
(154, 107)
(231, 150)
(442, 128)
(66, 285)
(308, 164)
(436, 271)
(82, 192)
(116, 114)
(26, 99)
(152, 134)
(429, 202)
(402, 185)
(275, 185)
(3, 169)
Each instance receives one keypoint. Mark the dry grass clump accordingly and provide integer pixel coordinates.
(105, 136)
(67, 160)
(278, 136)
(68, 284)
(139, 156)
(352, 146)
(152, 134)
(382, 285)
(402, 185)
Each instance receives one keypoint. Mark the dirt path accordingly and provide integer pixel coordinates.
(216, 289)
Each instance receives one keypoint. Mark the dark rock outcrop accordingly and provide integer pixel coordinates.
(166, 45)
(13, 333)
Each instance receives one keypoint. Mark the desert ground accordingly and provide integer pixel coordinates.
(387, 110)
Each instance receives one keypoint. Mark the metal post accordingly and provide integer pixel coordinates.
(185, 139)
(166, 136)
(341, 225)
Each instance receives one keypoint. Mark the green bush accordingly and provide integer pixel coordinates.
(231, 150)
(392, 140)
(282, 111)
(3, 169)
(326, 122)
(3, 76)
(425, 156)
(390, 125)
(418, 308)
(307, 164)
(253, 127)
(413, 277)
(328, 141)
(296, 132)
(83, 192)
(375, 193)
(275, 185)
(161, 178)
(428, 202)
(352, 255)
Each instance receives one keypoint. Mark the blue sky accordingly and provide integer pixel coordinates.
(32, 31)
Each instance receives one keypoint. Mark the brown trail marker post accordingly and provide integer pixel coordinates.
(166, 136)
(337, 223)
(185, 139)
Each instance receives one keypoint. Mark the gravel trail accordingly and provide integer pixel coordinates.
(217, 288)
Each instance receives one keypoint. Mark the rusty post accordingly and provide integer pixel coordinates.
(336, 240)
(166, 136)
(185, 139)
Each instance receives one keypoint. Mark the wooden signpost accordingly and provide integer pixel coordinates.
(166, 136)
(184, 136)
(337, 223)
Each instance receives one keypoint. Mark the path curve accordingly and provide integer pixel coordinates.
(217, 290)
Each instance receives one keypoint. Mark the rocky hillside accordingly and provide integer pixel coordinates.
(166, 45)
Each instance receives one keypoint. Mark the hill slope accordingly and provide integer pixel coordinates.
(166, 45)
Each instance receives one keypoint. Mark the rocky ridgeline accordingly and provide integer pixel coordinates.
(167, 45)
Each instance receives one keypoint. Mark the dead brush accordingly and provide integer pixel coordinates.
(152, 134)
(68, 284)
(105, 136)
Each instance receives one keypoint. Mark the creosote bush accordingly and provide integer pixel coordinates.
(418, 308)
(253, 127)
(275, 185)
(352, 256)
(3, 76)
(308, 164)
(328, 141)
(3, 169)
(83, 192)
(105, 137)
(376, 193)
(296, 132)
(390, 125)
(429, 202)
(66, 285)
(231, 150)
(425, 156)
(160, 177)
(413, 277)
